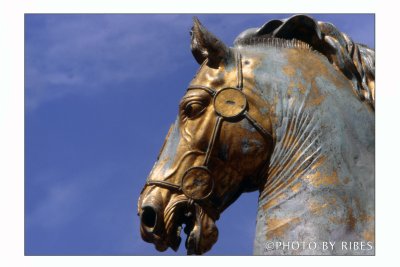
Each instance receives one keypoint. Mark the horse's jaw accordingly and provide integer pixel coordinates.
(200, 229)
(202, 234)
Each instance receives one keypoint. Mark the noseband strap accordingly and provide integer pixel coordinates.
(230, 104)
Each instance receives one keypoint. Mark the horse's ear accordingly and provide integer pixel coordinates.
(205, 46)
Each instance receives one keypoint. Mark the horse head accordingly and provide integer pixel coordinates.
(281, 112)
(216, 149)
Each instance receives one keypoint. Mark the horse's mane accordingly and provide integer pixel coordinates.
(355, 61)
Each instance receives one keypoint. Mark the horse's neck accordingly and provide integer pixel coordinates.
(320, 185)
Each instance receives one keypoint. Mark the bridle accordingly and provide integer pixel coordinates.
(230, 104)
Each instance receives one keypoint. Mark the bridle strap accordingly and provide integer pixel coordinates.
(164, 184)
(210, 147)
(239, 71)
(257, 125)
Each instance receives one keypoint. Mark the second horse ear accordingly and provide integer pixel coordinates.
(205, 46)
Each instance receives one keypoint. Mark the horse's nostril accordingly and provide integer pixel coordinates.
(149, 217)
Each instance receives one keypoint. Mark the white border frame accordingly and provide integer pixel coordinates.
(12, 122)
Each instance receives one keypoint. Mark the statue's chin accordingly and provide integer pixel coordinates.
(203, 233)
(200, 229)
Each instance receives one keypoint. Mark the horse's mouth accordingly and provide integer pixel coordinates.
(183, 219)
(201, 232)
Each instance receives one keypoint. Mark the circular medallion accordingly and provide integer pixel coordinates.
(230, 103)
(197, 183)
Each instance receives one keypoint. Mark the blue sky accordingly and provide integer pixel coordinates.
(100, 94)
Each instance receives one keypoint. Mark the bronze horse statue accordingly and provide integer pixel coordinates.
(287, 111)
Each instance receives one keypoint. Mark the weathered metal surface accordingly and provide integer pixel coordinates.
(276, 116)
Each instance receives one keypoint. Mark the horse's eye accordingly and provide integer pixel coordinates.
(193, 109)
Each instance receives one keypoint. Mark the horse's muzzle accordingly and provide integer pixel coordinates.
(151, 226)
